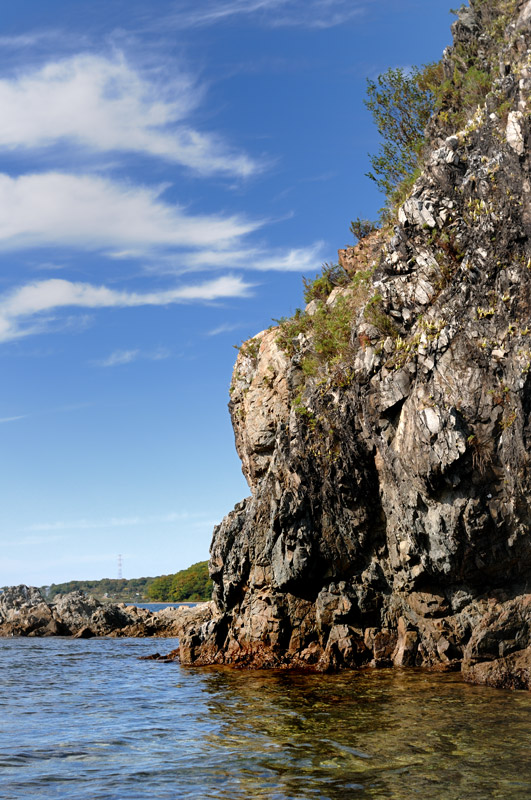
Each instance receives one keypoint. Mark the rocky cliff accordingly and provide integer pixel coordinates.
(385, 431)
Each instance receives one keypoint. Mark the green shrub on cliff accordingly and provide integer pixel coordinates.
(401, 103)
(360, 228)
(289, 328)
(319, 288)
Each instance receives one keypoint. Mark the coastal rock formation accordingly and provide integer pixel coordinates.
(385, 432)
(25, 612)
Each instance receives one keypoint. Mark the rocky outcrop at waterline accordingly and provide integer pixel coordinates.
(385, 432)
(25, 612)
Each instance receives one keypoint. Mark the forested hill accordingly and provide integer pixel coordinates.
(191, 584)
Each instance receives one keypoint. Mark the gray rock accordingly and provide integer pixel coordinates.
(24, 612)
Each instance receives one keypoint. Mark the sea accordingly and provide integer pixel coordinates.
(87, 720)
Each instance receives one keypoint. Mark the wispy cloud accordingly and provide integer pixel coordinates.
(295, 259)
(227, 327)
(49, 266)
(59, 410)
(27, 309)
(115, 522)
(26, 39)
(275, 13)
(119, 357)
(107, 105)
(91, 212)
(35, 540)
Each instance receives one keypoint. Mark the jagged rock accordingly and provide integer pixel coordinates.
(24, 612)
(362, 256)
(390, 486)
(75, 610)
(175, 621)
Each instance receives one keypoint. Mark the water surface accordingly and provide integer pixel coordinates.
(85, 720)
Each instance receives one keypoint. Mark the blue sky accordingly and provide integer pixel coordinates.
(168, 172)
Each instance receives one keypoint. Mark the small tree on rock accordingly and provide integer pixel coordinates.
(401, 102)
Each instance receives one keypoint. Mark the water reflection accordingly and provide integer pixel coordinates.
(369, 734)
(86, 720)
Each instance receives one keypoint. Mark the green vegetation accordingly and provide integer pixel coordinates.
(249, 348)
(289, 328)
(360, 228)
(191, 584)
(375, 314)
(401, 103)
(319, 288)
(330, 324)
(459, 96)
(331, 330)
(119, 591)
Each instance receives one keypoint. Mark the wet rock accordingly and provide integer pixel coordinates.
(499, 651)
(84, 633)
(171, 657)
(511, 672)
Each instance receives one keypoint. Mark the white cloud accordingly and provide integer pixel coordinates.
(106, 105)
(127, 356)
(275, 13)
(43, 297)
(297, 259)
(12, 419)
(58, 209)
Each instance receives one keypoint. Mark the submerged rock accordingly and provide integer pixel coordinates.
(389, 516)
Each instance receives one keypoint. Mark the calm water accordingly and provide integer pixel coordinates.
(84, 719)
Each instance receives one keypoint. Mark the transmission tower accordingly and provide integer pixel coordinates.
(119, 566)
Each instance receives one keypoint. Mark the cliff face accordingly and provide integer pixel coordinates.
(385, 434)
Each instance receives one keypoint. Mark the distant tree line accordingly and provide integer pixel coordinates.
(118, 590)
(192, 584)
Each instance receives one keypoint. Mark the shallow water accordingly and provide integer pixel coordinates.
(84, 719)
